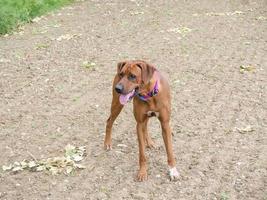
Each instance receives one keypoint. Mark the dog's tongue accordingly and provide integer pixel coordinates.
(125, 98)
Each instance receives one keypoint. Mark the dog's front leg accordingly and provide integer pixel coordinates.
(116, 108)
(142, 174)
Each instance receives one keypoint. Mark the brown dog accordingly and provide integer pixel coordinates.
(151, 97)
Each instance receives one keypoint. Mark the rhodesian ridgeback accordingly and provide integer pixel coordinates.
(150, 92)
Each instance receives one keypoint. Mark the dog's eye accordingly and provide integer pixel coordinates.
(121, 75)
(131, 77)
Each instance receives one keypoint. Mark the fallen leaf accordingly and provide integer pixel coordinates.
(42, 46)
(32, 164)
(261, 18)
(77, 158)
(88, 65)
(37, 19)
(79, 166)
(69, 169)
(17, 163)
(238, 12)
(245, 130)
(137, 13)
(54, 170)
(40, 168)
(3, 60)
(7, 167)
(17, 168)
(181, 30)
(24, 164)
(54, 165)
(215, 14)
(246, 68)
(67, 37)
(69, 150)
(121, 145)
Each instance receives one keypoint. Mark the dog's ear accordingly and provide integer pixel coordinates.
(147, 71)
(120, 66)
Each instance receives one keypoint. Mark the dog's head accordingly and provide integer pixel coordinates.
(133, 75)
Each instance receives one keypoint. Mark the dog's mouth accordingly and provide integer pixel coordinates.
(125, 98)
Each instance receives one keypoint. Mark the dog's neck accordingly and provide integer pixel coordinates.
(150, 89)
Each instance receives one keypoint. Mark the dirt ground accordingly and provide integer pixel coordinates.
(49, 98)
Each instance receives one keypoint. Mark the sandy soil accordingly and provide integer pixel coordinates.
(49, 99)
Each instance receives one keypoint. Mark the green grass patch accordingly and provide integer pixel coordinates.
(16, 12)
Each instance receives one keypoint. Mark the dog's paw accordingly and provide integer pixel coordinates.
(150, 144)
(173, 174)
(141, 176)
(108, 147)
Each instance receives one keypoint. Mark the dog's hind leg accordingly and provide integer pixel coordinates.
(167, 138)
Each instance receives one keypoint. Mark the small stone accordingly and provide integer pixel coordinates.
(121, 145)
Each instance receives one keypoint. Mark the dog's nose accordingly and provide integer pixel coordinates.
(119, 88)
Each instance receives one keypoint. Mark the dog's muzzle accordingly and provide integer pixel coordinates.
(119, 88)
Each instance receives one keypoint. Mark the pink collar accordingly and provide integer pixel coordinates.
(152, 93)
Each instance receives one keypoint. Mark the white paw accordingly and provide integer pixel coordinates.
(108, 147)
(173, 173)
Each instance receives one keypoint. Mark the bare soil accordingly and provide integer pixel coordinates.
(49, 99)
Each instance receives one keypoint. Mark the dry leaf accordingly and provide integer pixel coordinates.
(88, 65)
(137, 13)
(69, 169)
(246, 68)
(7, 168)
(17, 168)
(261, 18)
(245, 130)
(121, 145)
(40, 168)
(24, 164)
(181, 30)
(67, 37)
(32, 164)
(55, 165)
(79, 166)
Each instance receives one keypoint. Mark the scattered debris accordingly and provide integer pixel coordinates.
(67, 37)
(75, 153)
(37, 19)
(122, 145)
(137, 13)
(261, 18)
(237, 12)
(215, 14)
(3, 60)
(39, 31)
(181, 30)
(88, 64)
(56, 25)
(246, 68)
(245, 130)
(42, 46)
(224, 196)
(56, 165)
